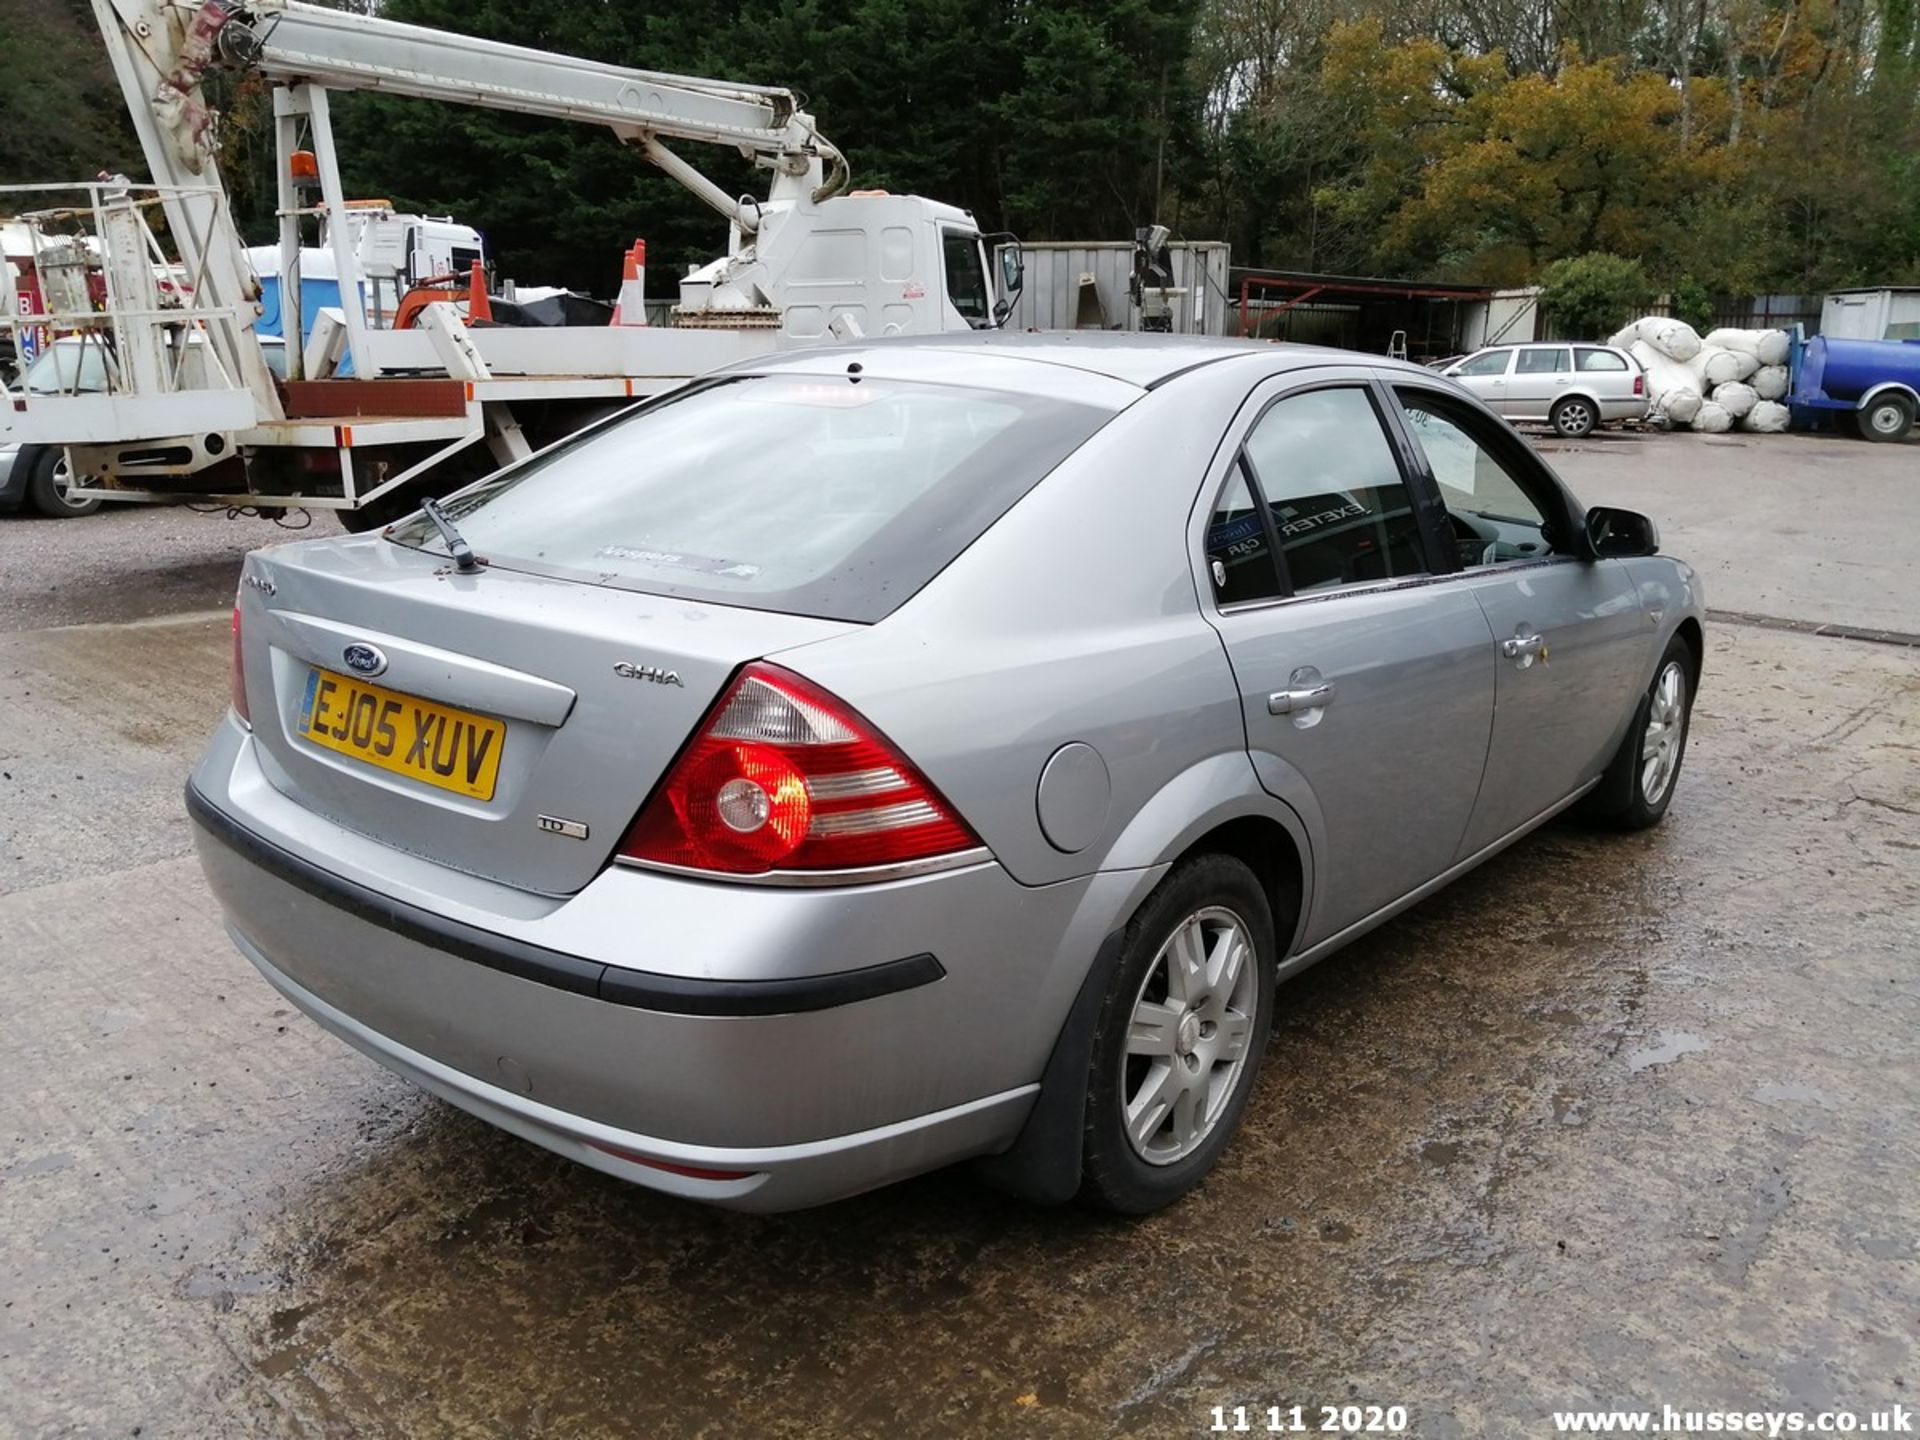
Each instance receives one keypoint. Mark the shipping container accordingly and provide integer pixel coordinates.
(1085, 287)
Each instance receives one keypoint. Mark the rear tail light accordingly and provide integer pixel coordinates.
(239, 671)
(1639, 383)
(784, 777)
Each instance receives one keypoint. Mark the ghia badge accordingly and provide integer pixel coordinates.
(364, 659)
(628, 671)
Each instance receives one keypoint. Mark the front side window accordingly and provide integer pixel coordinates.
(1338, 502)
(830, 496)
(1599, 360)
(966, 277)
(1493, 518)
(1541, 362)
(1487, 362)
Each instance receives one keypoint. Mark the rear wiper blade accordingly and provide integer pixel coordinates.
(463, 557)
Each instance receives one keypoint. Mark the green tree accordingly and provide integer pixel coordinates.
(1588, 297)
(61, 117)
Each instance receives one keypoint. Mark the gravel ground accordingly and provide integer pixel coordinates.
(1613, 1121)
(129, 562)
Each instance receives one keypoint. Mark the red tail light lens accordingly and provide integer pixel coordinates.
(785, 777)
(1639, 383)
(239, 672)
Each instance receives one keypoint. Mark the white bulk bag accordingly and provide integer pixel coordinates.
(1769, 347)
(1680, 405)
(1714, 366)
(1664, 376)
(1674, 339)
(1766, 418)
(1770, 382)
(1734, 398)
(1713, 419)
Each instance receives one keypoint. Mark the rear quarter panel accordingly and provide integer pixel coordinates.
(1074, 619)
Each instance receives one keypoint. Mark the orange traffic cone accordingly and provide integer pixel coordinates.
(632, 306)
(479, 303)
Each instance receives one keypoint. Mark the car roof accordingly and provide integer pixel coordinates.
(1138, 360)
(1549, 345)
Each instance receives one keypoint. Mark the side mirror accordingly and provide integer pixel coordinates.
(1616, 534)
(1013, 272)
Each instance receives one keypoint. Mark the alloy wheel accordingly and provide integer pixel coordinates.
(1666, 729)
(1189, 1035)
(1574, 419)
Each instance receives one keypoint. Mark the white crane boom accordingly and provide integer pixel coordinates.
(296, 43)
(190, 390)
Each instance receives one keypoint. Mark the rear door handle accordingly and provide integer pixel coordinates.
(1523, 647)
(1307, 697)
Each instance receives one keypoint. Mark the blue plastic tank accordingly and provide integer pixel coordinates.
(1844, 370)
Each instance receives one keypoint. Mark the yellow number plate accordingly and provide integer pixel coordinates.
(434, 744)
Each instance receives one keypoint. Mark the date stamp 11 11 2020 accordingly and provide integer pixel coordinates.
(1308, 1419)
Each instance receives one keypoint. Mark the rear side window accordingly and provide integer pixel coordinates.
(837, 497)
(1600, 360)
(1334, 490)
(1541, 362)
(1239, 552)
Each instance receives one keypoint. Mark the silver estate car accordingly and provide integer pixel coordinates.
(1574, 388)
(866, 759)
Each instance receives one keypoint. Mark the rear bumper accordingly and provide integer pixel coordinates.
(806, 1040)
(771, 1178)
(1632, 408)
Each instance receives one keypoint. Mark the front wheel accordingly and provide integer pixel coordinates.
(48, 482)
(1638, 786)
(1889, 417)
(1180, 1036)
(1574, 417)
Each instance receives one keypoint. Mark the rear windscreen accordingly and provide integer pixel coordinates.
(836, 497)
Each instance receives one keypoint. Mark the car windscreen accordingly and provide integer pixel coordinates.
(837, 497)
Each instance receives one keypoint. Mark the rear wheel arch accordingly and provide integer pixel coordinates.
(1043, 1164)
(1267, 848)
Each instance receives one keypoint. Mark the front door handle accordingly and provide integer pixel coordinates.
(1306, 697)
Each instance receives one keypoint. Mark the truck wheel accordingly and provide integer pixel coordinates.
(1889, 417)
(47, 477)
(1574, 417)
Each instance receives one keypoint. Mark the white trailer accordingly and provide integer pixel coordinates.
(442, 403)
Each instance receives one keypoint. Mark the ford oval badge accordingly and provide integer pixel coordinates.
(364, 659)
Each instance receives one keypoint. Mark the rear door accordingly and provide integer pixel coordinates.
(1571, 642)
(1540, 376)
(1366, 678)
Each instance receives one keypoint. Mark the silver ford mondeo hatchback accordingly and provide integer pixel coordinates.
(871, 758)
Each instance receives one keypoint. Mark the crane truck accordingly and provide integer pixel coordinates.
(370, 418)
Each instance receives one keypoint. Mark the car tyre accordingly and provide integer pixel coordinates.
(1180, 1036)
(1888, 418)
(46, 467)
(1574, 418)
(1639, 783)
